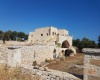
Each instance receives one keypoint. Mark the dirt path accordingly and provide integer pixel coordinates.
(68, 65)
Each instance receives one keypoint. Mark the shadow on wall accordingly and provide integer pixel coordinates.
(65, 44)
(68, 52)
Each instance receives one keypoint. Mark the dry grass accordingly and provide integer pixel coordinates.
(14, 74)
(67, 65)
(95, 62)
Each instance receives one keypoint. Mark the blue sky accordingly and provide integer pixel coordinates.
(80, 17)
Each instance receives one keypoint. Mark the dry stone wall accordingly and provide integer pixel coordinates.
(37, 53)
(25, 55)
(3, 54)
(91, 64)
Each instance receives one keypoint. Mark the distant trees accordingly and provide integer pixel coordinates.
(12, 35)
(1, 34)
(76, 42)
(99, 42)
(84, 43)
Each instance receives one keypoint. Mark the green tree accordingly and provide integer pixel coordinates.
(21, 35)
(26, 36)
(99, 41)
(14, 33)
(76, 42)
(86, 43)
(8, 35)
(1, 34)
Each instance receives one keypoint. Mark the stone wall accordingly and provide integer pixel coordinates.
(91, 64)
(37, 53)
(3, 54)
(49, 74)
(25, 55)
(13, 43)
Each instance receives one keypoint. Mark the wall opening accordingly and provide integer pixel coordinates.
(41, 34)
(65, 44)
(54, 53)
(49, 31)
(68, 52)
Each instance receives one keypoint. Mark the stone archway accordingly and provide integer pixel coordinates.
(68, 52)
(65, 44)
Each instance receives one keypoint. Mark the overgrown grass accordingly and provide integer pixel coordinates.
(14, 74)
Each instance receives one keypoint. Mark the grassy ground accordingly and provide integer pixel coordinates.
(68, 65)
(14, 74)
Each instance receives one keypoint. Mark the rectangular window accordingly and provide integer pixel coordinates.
(52, 33)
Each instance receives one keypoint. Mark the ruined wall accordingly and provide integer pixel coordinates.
(91, 64)
(13, 43)
(14, 56)
(37, 53)
(25, 55)
(50, 74)
(3, 55)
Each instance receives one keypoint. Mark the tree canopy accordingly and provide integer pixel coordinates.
(13, 35)
(84, 43)
(99, 41)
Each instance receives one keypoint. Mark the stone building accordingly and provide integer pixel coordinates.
(50, 36)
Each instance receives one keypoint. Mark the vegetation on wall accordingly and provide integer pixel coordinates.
(13, 35)
(58, 44)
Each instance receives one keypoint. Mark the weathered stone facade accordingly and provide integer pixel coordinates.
(91, 64)
(24, 56)
(49, 35)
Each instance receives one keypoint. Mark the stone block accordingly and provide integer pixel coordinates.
(46, 68)
(41, 68)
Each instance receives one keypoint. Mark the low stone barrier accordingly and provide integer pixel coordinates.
(91, 64)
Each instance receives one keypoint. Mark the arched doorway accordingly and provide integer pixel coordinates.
(68, 52)
(65, 44)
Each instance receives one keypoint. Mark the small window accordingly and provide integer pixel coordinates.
(31, 35)
(57, 34)
(41, 34)
(47, 34)
(52, 33)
